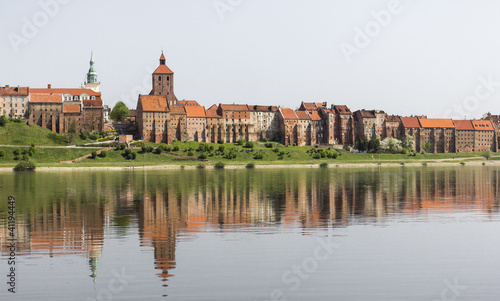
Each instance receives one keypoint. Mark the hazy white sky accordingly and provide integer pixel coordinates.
(439, 58)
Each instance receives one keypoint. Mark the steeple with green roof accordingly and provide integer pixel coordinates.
(92, 74)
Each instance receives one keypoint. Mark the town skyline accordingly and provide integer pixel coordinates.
(223, 56)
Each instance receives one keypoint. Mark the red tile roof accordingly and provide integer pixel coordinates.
(213, 107)
(14, 91)
(302, 115)
(74, 92)
(234, 107)
(288, 113)
(153, 103)
(263, 108)
(329, 111)
(321, 104)
(309, 106)
(392, 118)
(163, 69)
(315, 115)
(410, 122)
(463, 125)
(482, 125)
(162, 57)
(177, 109)
(367, 114)
(212, 113)
(71, 108)
(342, 109)
(93, 102)
(436, 123)
(195, 111)
(46, 98)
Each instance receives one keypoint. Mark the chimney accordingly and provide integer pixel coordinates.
(49, 86)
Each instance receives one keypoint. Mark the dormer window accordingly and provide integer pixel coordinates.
(93, 97)
(76, 97)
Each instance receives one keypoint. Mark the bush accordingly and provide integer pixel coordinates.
(2, 153)
(26, 157)
(138, 144)
(131, 156)
(249, 144)
(222, 148)
(93, 155)
(404, 151)
(268, 145)
(17, 152)
(203, 156)
(241, 141)
(221, 141)
(323, 165)
(190, 153)
(103, 154)
(264, 139)
(219, 165)
(25, 165)
(200, 166)
(250, 165)
(258, 156)
(128, 152)
(176, 148)
(4, 120)
(316, 156)
(123, 146)
(17, 158)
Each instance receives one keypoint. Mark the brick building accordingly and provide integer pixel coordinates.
(465, 135)
(266, 122)
(344, 125)
(368, 123)
(440, 133)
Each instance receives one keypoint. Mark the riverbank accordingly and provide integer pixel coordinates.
(447, 163)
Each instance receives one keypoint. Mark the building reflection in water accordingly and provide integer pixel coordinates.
(166, 205)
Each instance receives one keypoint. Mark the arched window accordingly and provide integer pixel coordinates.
(159, 77)
(168, 77)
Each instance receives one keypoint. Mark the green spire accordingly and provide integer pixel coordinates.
(92, 75)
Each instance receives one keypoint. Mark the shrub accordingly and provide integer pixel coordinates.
(17, 158)
(128, 152)
(201, 148)
(103, 154)
(241, 141)
(203, 156)
(323, 165)
(221, 148)
(167, 148)
(25, 165)
(123, 146)
(93, 155)
(200, 166)
(316, 156)
(264, 139)
(26, 157)
(190, 153)
(138, 144)
(221, 141)
(131, 156)
(268, 145)
(250, 165)
(2, 153)
(3, 120)
(258, 156)
(249, 144)
(404, 151)
(158, 150)
(219, 165)
(176, 148)
(17, 152)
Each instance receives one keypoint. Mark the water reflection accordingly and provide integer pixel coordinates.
(69, 213)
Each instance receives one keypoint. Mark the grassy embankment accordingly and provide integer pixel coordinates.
(21, 134)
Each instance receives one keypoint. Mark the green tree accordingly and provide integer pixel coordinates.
(119, 112)
(427, 146)
(409, 143)
(487, 154)
(374, 144)
(3, 120)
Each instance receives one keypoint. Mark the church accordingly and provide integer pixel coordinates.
(160, 117)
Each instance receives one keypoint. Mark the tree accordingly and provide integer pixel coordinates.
(374, 144)
(427, 146)
(409, 143)
(487, 154)
(119, 112)
(3, 120)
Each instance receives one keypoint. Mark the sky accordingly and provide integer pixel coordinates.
(406, 57)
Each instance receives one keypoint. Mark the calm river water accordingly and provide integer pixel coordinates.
(287, 234)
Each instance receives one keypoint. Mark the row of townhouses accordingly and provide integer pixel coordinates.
(162, 118)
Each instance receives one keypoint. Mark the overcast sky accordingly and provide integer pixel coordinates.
(438, 58)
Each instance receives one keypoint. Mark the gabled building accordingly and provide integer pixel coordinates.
(47, 111)
(288, 126)
(266, 122)
(392, 124)
(329, 126)
(236, 122)
(465, 136)
(368, 123)
(196, 123)
(214, 125)
(485, 136)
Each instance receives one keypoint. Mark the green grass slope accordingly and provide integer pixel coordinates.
(22, 134)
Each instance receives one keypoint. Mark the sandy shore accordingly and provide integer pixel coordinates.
(330, 165)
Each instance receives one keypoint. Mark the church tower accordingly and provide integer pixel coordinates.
(92, 82)
(163, 82)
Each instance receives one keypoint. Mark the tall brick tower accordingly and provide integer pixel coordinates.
(163, 82)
